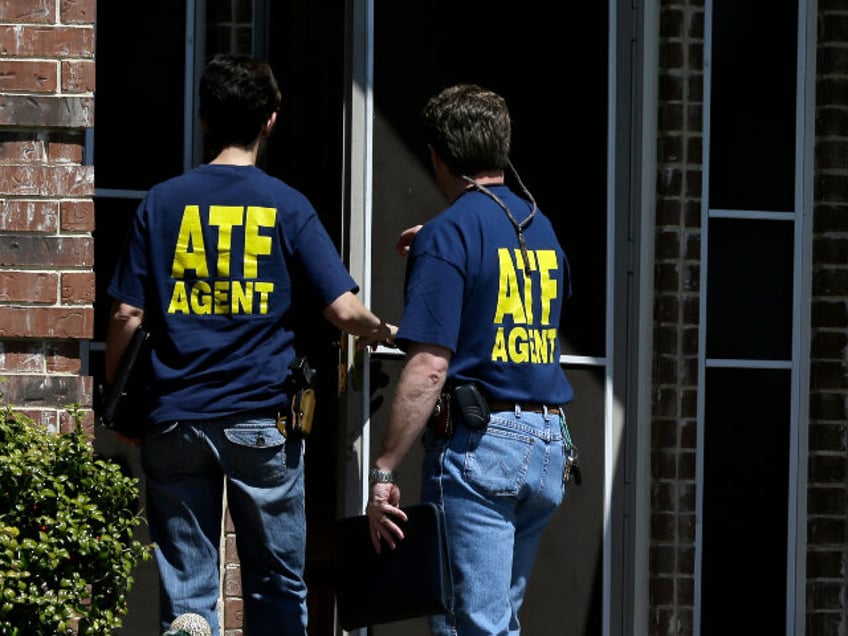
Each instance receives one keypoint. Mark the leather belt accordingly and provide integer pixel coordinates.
(531, 407)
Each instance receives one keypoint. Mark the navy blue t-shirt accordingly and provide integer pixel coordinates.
(210, 260)
(467, 290)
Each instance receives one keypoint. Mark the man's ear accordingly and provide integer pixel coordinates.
(439, 164)
(440, 167)
(269, 125)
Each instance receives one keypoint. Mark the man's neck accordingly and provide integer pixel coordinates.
(237, 156)
(489, 177)
(459, 186)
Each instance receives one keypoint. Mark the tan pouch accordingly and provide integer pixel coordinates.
(302, 412)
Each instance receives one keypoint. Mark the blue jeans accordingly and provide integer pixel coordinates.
(186, 466)
(499, 490)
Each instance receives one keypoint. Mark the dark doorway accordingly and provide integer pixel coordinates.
(553, 75)
(306, 50)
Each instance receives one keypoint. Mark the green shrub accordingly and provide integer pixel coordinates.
(67, 517)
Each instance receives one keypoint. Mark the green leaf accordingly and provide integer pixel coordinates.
(66, 521)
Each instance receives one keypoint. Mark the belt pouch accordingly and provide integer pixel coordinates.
(472, 405)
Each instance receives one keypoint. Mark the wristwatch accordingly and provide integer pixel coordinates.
(377, 476)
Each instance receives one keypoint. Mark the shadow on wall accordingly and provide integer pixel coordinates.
(142, 618)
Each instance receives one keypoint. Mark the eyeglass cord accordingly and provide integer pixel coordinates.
(519, 227)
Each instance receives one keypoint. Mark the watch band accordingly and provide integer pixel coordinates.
(377, 476)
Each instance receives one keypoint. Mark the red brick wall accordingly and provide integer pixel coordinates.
(672, 556)
(676, 281)
(46, 209)
(233, 599)
(827, 493)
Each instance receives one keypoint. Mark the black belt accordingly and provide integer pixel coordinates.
(530, 407)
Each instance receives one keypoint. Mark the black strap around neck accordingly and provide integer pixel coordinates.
(519, 226)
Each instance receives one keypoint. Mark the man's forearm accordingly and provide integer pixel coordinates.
(420, 383)
(348, 314)
(123, 320)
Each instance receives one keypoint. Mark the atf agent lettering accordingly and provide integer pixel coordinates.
(519, 338)
(221, 295)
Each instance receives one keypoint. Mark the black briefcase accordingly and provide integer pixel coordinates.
(123, 406)
(411, 581)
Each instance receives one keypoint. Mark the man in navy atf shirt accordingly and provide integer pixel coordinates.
(209, 269)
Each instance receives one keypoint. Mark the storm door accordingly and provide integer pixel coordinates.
(147, 130)
(555, 76)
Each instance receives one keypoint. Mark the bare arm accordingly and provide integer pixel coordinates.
(421, 380)
(123, 320)
(420, 383)
(349, 314)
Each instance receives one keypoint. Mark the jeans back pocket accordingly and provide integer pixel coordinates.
(255, 454)
(496, 461)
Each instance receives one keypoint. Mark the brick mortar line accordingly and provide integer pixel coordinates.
(58, 59)
(47, 25)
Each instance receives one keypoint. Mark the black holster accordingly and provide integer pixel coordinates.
(461, 403)
(299, 420)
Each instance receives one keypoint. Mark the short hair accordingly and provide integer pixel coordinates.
(238, 94)
(469, 127)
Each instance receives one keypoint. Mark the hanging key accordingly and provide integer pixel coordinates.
(572, 468)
